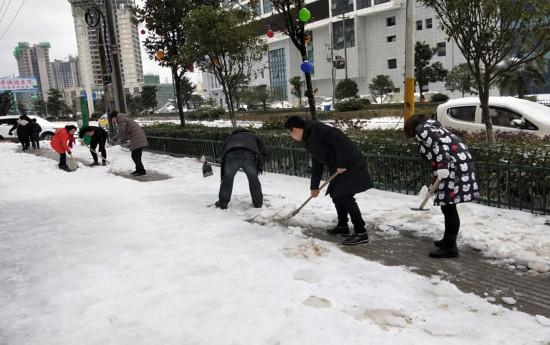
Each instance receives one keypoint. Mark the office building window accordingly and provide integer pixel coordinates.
(392, 63)
(363, 4)
(310, 56)
(429, 23)
(378, 2)
(268, 6)
(390, 21)
(418, 25)
(441, 49)
(392, 38)
(277, 74)
(258, 9)
(341, 6)
(338, 34)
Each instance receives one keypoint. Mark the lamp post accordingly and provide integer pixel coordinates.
(408, 105)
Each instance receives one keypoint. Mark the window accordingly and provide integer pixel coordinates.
(392, 63)
(418, 25)
(341, 6)
(268, 6)
(392, 38)
(441, 49)
(277, 74)
(363, 4)
(503, 117)
(8, 122)
(338, 34)
(258, 9)
(467, 114)
(390, 21)
(310, 54)
(429, 23)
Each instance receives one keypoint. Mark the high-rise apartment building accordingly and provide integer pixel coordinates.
(35, 62)
(66, 74)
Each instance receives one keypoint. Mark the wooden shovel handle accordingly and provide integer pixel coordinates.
(310, 197)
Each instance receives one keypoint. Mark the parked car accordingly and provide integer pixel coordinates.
(7, 122)
(509, 114)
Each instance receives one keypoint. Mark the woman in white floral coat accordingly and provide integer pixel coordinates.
(452, 163)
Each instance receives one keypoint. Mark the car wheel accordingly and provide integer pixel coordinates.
(46, 136)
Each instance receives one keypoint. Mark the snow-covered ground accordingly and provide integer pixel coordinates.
(92, 258)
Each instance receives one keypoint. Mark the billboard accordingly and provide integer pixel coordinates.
(18, 85)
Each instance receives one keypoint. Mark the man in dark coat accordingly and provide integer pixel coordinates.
(35, 134)
(130, 130)
(23, 128)
(242, 150)
(99, 138)
(453, 165)
(329, 146)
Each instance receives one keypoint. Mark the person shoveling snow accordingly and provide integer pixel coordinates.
(329, 146)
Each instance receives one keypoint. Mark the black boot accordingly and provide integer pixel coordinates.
(438, 243)
(357, 238)
(445, 252)
(94, 164)
(342, 230)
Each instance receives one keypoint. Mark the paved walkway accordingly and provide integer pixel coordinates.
(471, 272)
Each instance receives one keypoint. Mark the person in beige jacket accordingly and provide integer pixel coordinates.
(130, 130)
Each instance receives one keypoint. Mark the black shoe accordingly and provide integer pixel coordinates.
(341, 230)
(104, 163)
(438, 243)
(220, 205)
(139, 173)
(94, 164)
(65, 167)
(356, 239)
(445, 252)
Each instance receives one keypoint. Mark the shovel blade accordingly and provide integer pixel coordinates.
(207, 169)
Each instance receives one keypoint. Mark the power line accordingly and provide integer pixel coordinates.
(13, 19)
(5, 10)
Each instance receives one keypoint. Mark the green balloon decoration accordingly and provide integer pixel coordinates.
(304, 15)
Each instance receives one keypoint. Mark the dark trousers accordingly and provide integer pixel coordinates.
(346, 205)
(136, 157)
(62, 159)
(101, 143)
(35, 141)
(233, 161)
(25, 142)
(452, 225)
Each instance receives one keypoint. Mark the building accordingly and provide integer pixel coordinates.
(90, 39)
(66, 75)
(165, 91)
(35, 62)
(372, 39)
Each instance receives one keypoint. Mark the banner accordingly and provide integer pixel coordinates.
(18, 85)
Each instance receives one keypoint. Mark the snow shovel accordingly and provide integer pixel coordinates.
(94, 151)
(430, 193)
(74, 161)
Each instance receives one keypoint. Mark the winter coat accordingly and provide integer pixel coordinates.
(444, 150)
(244, 139)
(129, 129)
(100, 135)
(24, 129)
(329, 146)
(60, 140)
(35, 129)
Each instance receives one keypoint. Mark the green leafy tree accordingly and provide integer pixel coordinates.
(490, 32)
(380, 86)
(461, 79)
(296, 83)
(21, 108)
(263, 94)
(424, 73)
(5, 103)
(55, 103)
(227, 45)
(294, 28)
(197, 101)
(186, 88)
(149, 97)
(134, 103)
(164, 21)
(346, 88)
(39, 106)
(517, 82)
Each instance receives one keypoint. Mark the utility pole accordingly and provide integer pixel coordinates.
(345, 45)
(408, 105)
(120, 99)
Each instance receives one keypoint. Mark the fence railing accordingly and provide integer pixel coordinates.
(501, 184)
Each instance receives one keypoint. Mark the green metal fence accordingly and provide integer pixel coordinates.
(501, 184)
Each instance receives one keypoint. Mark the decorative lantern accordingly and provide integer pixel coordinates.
(143, 31)
(270, 33)
(306, 67)
(304, 15)
(160, 54)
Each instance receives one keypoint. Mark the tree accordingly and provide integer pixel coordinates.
(517, 82)
(186, 88)
(296, 83)
(294, 28)
(489, 32)
(134, 103)
(55, 103)
(197, 101)
(461, 79)
(39, 106)
(226, 45)
(5, 103)
(381, 86)
(424, 73)
(165, 24)
(149, 97)
(346, 88)
(21, 108)
(263, 95)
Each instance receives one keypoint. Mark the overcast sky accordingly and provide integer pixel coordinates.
(45, 21)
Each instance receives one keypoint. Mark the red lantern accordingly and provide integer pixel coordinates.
(160, 54)
(270, 33)
(190, 67)
(142, 31)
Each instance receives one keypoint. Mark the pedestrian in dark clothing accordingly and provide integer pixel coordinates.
(23, 129)
(130, 130)
(452, 163)
(35, 134)
(99, 138)
(245, 150)
(329, 146)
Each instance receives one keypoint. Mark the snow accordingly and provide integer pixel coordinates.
(89, 257)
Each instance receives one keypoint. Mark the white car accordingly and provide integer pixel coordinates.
(509, 114)
(7, 122)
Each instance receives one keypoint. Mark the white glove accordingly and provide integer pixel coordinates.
(442, 173)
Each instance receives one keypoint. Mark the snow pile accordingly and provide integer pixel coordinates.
(93, 258)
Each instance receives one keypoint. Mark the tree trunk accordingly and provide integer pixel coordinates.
(486, 116)
(229, 101)
(176, 78)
